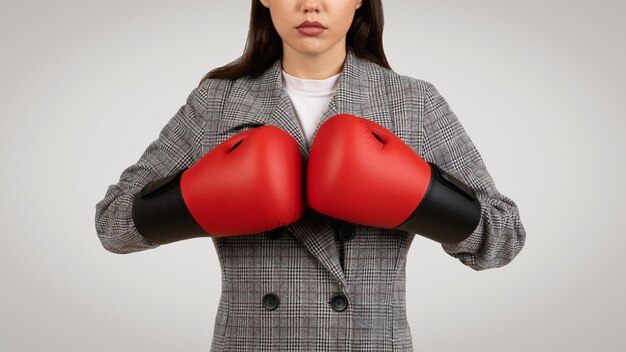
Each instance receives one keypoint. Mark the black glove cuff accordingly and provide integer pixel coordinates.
(160, 214)
(449, 211)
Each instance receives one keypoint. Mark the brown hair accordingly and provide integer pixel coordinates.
(264, 45)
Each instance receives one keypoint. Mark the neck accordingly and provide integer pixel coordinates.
(313, 66)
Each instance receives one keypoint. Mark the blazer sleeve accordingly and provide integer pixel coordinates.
(499, 235)
(177, 146)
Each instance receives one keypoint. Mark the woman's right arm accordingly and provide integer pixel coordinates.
(178, 146)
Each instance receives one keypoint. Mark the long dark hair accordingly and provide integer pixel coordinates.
(264, 45)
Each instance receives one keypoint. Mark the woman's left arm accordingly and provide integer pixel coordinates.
(500, 235)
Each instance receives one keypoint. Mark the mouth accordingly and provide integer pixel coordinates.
(309, 24)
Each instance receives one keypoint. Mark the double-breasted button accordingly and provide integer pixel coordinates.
(270, 301)
(345, 231)
(275, 233)
(339, 302)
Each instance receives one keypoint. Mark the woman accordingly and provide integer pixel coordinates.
(314, 280)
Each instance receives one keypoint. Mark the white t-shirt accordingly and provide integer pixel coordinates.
(310, 98)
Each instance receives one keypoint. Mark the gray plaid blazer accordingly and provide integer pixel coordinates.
(332, 286)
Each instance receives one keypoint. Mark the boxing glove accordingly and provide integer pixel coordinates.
(360, 172)
(250, 183)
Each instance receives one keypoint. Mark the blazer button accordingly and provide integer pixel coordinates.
(339, 302)
(345, 232)
(275, 233)
(270, 301)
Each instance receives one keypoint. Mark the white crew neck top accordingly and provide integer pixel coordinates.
(310, 98)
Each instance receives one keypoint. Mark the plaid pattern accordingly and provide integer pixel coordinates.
(499, 235)
(304, 267)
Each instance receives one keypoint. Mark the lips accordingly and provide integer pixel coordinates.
(310, 24)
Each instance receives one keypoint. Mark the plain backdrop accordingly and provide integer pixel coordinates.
(85, 86)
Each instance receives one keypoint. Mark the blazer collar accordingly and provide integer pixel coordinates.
(263, 100)
(350, 96)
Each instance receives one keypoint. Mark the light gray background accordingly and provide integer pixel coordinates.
(86, 86)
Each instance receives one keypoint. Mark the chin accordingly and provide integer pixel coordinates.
(310, 50)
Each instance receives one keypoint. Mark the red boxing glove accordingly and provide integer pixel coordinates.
(250, 183)
(360, 172)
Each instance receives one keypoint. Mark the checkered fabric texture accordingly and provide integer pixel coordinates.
(307, 263)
